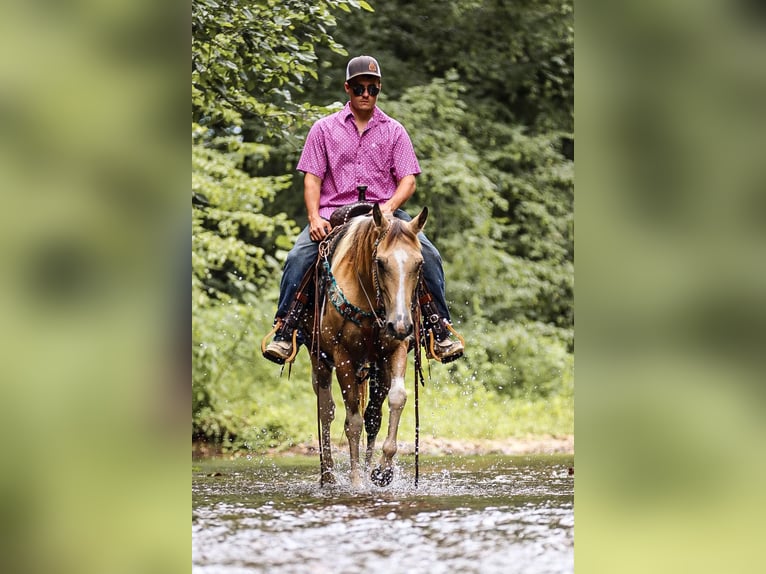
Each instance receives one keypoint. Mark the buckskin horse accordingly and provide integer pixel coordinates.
(366, 317)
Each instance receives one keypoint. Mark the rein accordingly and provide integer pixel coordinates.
(378, 320)
(419, 380)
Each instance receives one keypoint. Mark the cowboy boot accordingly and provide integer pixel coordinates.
(445, 349)
(287, 335)
(281, 347)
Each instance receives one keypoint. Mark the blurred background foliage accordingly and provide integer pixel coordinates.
(485, 89)
(671, 321)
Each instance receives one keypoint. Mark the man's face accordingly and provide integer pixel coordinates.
(361, 85)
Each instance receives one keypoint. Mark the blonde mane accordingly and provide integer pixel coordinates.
(359, 242)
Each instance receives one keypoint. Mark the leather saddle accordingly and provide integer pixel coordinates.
(346, 212)
(343, 214)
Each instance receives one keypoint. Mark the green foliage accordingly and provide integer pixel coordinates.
(457, 403)
(246, 55)
(236, 249)
(536, 222)
(229, 402)
(517, 57)
(502, 217)
(452, 185)
(521, 359)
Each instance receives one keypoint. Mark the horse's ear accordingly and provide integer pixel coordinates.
(420, 221)
(377, 215)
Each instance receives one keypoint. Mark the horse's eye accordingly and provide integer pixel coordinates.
(379, 262)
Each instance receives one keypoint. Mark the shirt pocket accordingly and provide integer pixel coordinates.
(379, 157)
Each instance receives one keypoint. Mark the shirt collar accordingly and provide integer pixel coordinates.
(377, 115)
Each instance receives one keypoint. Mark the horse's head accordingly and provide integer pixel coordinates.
(397, 264)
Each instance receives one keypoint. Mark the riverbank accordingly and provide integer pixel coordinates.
(428, 446)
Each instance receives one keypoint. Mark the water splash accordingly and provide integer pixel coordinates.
(469, 514)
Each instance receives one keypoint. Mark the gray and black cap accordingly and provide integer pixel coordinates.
(362, 66)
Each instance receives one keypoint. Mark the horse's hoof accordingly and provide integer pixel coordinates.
(327, 478)
(382, 477)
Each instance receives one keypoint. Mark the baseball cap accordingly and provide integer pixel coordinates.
(362, 66)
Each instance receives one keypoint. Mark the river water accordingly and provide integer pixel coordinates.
(469, 514)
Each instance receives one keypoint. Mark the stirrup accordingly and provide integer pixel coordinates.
(431, 338)
(277, 326)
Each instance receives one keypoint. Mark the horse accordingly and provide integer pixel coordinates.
(366, 317)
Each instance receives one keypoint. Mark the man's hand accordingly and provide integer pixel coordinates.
(404, 190)
(318, 228)
(386, 208)
(312, 189)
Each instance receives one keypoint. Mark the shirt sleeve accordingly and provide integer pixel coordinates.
(314, 157)
(405, 162)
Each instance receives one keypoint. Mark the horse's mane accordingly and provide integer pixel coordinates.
(358, 242)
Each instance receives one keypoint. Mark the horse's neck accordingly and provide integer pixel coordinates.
(358, 286)
(352, 264)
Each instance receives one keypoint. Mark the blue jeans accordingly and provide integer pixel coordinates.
(304, 253)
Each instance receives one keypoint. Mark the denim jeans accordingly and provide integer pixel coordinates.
(304, 253)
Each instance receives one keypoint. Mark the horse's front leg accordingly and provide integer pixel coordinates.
(322, 382)
(373, 415)
(394, 370)
(349, 386)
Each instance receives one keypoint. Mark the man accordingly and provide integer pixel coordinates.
(358, 146)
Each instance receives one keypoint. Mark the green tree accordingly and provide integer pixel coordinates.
(503, 221)
(517, 57)
(248, 57)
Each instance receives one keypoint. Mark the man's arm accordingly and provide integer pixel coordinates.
(318, 227)
(404, 191)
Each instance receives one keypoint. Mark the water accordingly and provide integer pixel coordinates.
(469, 514)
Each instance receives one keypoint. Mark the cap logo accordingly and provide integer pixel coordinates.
(372, 67)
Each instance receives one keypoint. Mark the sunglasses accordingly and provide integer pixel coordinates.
(359, 89)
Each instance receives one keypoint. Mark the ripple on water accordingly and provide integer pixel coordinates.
(510, 516)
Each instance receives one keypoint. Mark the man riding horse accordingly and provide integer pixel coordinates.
(358, 147)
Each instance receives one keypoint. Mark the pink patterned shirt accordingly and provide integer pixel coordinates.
(343, 159)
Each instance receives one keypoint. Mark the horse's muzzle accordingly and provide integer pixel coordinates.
(399, 329)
